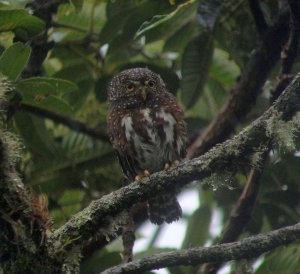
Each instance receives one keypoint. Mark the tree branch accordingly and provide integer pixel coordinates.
(259, 19)
(40, 45)
(230, 155)
(73, 124)
(247, 248)
(289, 53)
(244, 94)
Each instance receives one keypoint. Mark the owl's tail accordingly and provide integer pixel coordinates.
(164, 208)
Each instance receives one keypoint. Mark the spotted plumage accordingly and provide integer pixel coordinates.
(147, 130)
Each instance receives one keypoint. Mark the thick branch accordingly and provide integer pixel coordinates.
(40, 46)
(244, 94)
(230, 155)
(290, 51)
(259, 19)
(73, 124)
(250, 247)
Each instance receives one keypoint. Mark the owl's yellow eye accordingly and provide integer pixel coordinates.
(151, 84)
(130, 87)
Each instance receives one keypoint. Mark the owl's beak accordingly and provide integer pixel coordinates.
(144, 94)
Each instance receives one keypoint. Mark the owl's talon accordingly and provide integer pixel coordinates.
(167, 166)
(146, 173)
(175, 163)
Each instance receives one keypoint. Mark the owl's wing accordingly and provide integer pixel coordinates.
(127, 165)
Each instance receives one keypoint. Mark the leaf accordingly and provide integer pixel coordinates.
(234, 33)
(208, 12)
(196, 62)
(45, 86)
(223, 70)
(80, 74)
(70, 201)
(114, 25)
(21, 23)
(179, 40)
(77, 4)
(36, 137)
(101, 88)
(161, 25)
(198, 227)
(121, 28)
(51, 103)
(14, 59)
(282, 260)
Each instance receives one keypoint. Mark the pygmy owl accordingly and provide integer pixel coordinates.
(147, 130)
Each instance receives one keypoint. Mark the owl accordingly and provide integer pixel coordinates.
(147, 130)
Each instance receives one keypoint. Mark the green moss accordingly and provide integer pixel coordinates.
(283, 133)
(220, 179)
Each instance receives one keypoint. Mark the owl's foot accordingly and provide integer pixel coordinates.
(146, 173)
(168, 166)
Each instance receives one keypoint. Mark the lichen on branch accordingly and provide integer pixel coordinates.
(228, 155)
(250, 247)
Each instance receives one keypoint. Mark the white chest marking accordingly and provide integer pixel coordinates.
(154, 154)
(170, 124)
(127, 123)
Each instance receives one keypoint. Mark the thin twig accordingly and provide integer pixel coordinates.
(73, 124)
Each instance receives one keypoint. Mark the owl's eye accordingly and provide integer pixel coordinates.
(130, 87)
(151, 84)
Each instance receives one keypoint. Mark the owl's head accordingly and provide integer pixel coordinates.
(136, 85)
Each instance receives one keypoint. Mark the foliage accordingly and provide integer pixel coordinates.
(199, 53)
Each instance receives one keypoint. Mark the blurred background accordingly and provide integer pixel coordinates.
(200, 49)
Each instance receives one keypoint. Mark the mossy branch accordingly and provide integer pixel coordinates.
(228, 155)
(20, 235)
(250, 247)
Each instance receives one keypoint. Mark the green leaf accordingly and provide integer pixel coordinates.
(196, 62)
(45, 86)
(82, 75)
(77, 4)
(179, 40)
(224, 70)
(198, 227)
(14, 59)
(161, 25)
(51, 103)
(130, 21)
(282, 260)
(101, 88)
(114, 25)
(36, 137)
(208, 12)
(21, 23)
(70, 201)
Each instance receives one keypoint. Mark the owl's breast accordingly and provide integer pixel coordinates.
(152, 135)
